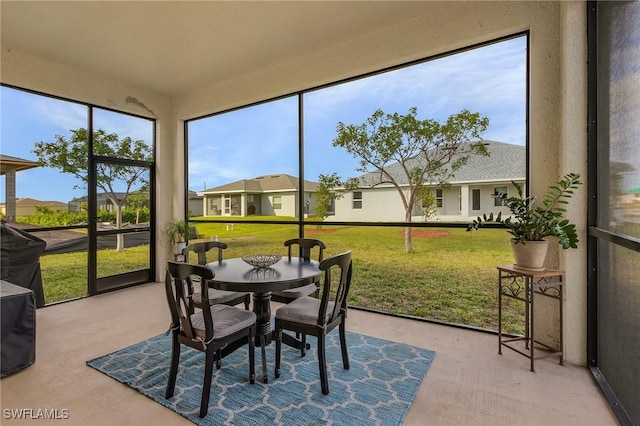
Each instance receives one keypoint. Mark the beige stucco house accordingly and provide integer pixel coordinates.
(27, 206)
(9, 166)
(469, 194)
(271, 195)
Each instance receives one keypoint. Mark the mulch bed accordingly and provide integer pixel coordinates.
(319, 231)
(415, 233)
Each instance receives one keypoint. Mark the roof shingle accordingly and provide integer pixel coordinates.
(506, 162)
(268, 183)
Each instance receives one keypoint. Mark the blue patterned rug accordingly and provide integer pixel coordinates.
(377, 390)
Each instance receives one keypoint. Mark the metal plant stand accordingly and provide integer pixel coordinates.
(521, 285)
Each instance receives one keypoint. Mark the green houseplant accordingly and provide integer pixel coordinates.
(176, 233)
(530, 223)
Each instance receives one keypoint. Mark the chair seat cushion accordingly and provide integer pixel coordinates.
(218, 296)
(303, 310)
(294, 293)
(226, 320)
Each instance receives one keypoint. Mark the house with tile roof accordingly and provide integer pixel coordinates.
(271, 195)
(9, 166)
(103, 202)
(470, 193)
(195, 204)
(29, 206)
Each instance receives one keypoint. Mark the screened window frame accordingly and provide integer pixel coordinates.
(596, 234)
(99, 285)
(300, 94)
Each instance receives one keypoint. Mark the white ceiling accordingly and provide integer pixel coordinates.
(174, 47)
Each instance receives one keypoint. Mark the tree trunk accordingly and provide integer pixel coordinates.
(119, 237)
(407, 233)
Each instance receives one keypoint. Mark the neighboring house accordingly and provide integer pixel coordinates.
(470, 193)
(195, 206)
(104, 203)
(272, 195)
(9, 167)
(27, 206)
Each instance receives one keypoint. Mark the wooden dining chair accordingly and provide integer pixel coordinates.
(305, 248)
(209, 329)
(317, 317)
(216, 296)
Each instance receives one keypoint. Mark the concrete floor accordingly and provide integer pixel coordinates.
(468, 383)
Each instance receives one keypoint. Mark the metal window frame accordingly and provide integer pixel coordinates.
(301, 222)
(596, 234)
(139, 277)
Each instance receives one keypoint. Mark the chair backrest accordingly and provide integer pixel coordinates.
(179, 288)
(201, 250)
(305, 247)
(337, 280)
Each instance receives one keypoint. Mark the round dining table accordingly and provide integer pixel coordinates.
(289, 272)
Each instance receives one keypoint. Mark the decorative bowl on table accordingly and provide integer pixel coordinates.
(262, 260)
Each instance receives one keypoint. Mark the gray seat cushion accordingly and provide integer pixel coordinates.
(218, 296)
(303, 310)
(297, 292)
(226, 320)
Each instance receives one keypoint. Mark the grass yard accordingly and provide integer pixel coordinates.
(449, 276)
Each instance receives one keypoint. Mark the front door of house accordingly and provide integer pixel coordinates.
(227, 205)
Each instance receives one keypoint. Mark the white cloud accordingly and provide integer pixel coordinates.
(489, 80)
(62, 116)
(264, 139)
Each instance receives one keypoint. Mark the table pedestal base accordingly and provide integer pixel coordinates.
(264, 333)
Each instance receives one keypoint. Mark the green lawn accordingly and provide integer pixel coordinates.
(449, 278)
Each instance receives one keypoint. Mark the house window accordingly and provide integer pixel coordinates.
(497, 201)
(357, 199)
(213, 207)
(475, 199)
(277, 202)
(439, 199)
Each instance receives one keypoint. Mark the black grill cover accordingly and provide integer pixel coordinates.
(20, 255)
(18, 328)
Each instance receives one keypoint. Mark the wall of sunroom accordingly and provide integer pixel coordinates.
(38, 74)
(557, 103)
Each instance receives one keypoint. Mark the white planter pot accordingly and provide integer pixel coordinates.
(178, 247)
(530, 255)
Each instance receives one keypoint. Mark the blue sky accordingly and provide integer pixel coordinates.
(27, 119)
(263, 139)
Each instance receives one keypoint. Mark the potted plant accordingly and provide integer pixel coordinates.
(530, 224)
(176, 232)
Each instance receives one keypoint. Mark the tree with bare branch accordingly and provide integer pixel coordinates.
(71, 156)
(423, 153)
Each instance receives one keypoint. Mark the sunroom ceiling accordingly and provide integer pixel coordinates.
(175, 47)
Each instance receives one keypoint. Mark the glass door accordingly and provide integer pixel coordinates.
(227, 205)
(121, 201)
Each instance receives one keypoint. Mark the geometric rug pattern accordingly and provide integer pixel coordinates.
(378, 389)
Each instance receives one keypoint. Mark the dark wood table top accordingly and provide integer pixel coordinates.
(236, 275)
